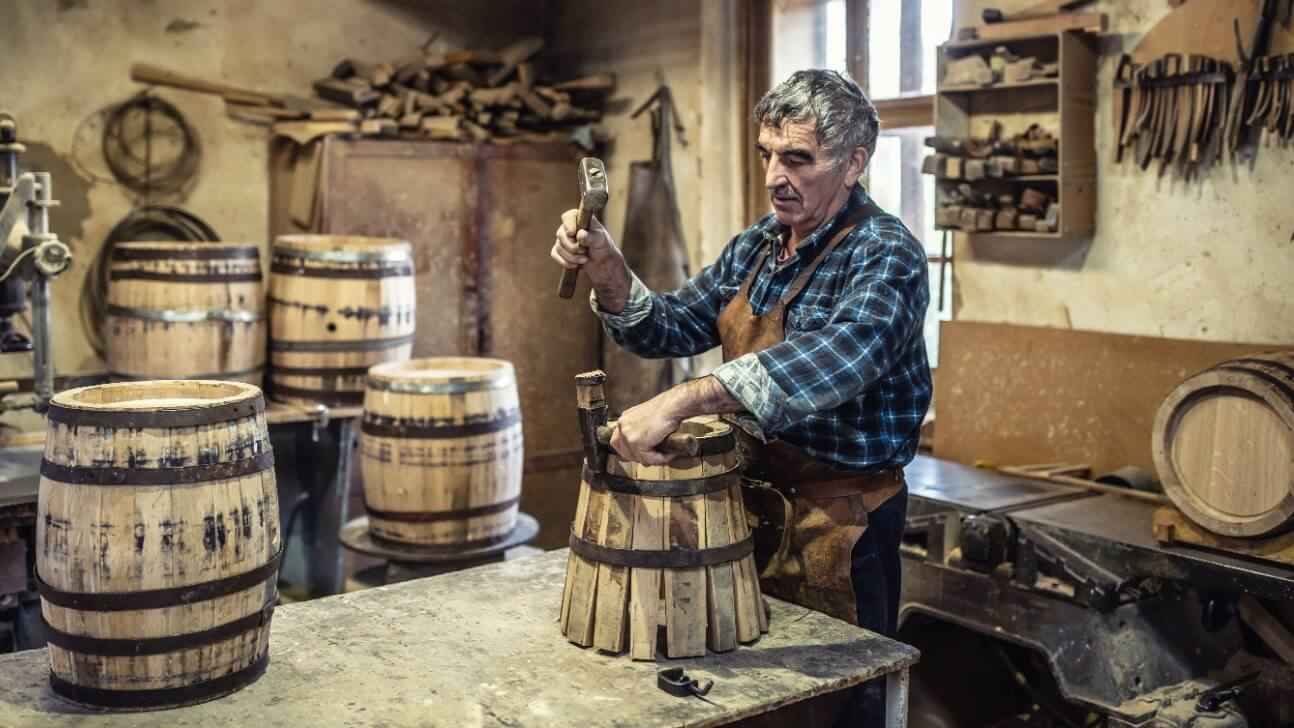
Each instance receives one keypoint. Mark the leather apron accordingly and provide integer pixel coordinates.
(807, 515)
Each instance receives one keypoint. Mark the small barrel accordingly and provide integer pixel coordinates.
(664, 550)
(157, 542)
(441, 451)
(1224, 446)
(183, 310)
(338, 305)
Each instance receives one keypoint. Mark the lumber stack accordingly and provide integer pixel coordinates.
(996, 184)
(478, 96)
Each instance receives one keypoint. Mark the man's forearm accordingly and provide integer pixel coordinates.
(704, 396)
(612, 287)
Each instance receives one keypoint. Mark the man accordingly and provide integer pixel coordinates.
(819, 308)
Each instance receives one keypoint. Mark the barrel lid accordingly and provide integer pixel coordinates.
(343, 248)
(442, 375)
(156, 403)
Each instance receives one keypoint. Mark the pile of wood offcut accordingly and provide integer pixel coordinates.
(466, 95)
(479, 96)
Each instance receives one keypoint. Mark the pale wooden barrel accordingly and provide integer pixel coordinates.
(441, 451)
(664, 550)
(338, 305)
(183, 310)
(1224, 446)
(157, 542)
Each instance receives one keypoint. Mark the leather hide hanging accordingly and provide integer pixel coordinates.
(655, 248)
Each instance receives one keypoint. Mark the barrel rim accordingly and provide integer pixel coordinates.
(144, 250)
(334, 248)
(411, 376)
(242, 400)
(1225, 375)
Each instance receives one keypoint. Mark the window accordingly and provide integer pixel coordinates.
(897, 60)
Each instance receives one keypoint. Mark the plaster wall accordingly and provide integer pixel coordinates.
(65, 60)
(1211, 259)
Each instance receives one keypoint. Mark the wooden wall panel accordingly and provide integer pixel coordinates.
(1013, 395)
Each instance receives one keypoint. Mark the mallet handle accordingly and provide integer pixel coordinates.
(571, 276)
(676, 444)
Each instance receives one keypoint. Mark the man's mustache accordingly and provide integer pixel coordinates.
(783, 191)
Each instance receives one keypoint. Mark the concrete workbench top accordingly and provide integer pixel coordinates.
(482, 648)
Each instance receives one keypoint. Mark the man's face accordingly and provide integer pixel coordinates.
(803, 179)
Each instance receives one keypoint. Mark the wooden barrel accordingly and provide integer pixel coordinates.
(441, 451)
(678, 531)
(338, 305)
(1224, 445)
(157, 542)
(182, 310)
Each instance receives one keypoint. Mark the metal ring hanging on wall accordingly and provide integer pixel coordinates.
(130, 132)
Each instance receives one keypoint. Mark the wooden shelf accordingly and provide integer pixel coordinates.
(993, 43)
(1064, 105)
(1031, 83)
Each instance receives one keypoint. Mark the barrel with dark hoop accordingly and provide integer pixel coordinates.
(185, 310)
(338, 305)
(664, 550)
(157, 541)
(441, 451)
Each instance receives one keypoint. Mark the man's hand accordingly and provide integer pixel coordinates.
(642, 427)
(597, 253)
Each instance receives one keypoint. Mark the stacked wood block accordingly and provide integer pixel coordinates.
(981, 182)
(466, 96)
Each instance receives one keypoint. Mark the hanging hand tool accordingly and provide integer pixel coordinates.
(594, 191)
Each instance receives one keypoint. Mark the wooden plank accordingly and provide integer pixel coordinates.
(645, 584)
(1020, 394)
(610, 626)
(721, 598)
(685, 611)
(747, 581)
(1172, 526)
(584, 587)
(1269, 628)
(577, 527)
(1090, 22)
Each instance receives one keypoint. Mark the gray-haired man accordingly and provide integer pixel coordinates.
(819, 308)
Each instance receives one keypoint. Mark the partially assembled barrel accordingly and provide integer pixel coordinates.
(664, 550)
(185, 310)
(339, 304)
(157, 542)
(441, 451)
(1224, 446)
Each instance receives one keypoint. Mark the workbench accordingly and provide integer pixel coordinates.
(481, 647)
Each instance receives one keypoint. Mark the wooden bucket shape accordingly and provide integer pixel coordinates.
(1224, 446)
(664, 553)
(338, 305)
(157, 542)
(179, 310)
(441, 451)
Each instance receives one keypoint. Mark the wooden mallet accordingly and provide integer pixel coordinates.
(593, 197)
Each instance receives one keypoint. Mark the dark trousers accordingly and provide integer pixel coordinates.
(876, 573)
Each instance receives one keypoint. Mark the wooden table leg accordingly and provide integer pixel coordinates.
(896, 699)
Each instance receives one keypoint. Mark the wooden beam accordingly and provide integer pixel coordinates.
(906, 111)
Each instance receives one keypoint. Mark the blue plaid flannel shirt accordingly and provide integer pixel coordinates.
(851, 382)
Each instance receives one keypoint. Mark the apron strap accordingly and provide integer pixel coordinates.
(855, 218)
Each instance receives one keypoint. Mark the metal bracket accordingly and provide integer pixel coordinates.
(1094, 584)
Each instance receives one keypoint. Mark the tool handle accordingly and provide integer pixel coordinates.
(676, 444)
(158, 76)
(571, 276)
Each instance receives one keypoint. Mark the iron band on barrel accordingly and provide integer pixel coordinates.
(161, 418)
(321, 371)
(158, 598)
(92, 475)
(386, 270)
(132, 647)
(379, 426)
(171, 316)
(160, 697)
(394, 254)
(125, 376)
(333, 346)
(220, 252)
(674, 558)
(434, 516)
(326, 397)
(150, 275)
(450, 387)
(661, 488)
